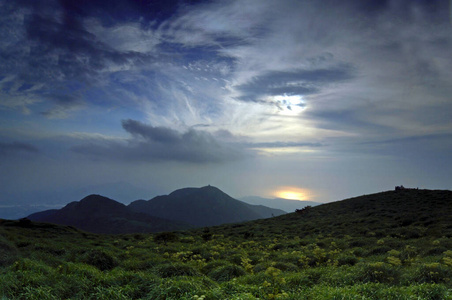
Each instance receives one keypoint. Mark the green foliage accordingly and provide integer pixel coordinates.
(433, 273)
(346, 259)
(226, 273)
(379, 272)
(165, 237)
(8, 252)
(100, 259)
(319, 255)
(176, 269)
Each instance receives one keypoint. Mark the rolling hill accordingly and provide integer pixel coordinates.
(408, 213)
(389, 245)
(279, 203)
(206, 206)
(99, 214)
(182, 209)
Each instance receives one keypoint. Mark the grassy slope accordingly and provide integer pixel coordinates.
(383, 246)
(409, 213)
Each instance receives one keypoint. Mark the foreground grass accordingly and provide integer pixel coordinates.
(41, 261)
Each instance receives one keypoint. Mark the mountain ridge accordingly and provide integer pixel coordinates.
(403, 214)
(205, 206)
(286, 205)
(182, 209)
(99, 214)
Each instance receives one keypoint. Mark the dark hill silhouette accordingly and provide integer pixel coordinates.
(403, 214)
(279, 203)
(99, 214)
(206, 206)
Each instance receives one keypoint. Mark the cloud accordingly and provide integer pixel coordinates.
(50, 50)
(16, 148)
(285, 145)
(297, 82)
(149, 143)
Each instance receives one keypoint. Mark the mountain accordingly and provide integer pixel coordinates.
(99, 214)
(206, 206)
(14, 212)
(279, 203)
(404, 214)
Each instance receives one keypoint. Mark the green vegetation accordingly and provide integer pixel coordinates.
(395, 246)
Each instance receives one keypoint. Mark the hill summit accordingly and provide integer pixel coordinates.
(182, 209)
(205, 206)
(404, 214)
(99, 214)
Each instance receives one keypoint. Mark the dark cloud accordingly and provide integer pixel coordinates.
(46, 47)
(297, 82)
(150, 143)
(65, 50)
(63, 104)
(152, 134)
(16, 148)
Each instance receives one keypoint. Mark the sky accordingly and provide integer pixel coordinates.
(309, 100)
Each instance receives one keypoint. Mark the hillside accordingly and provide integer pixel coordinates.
(100, 214)
(407, 214)
(206, 206)
(279, 203)
(382, 246)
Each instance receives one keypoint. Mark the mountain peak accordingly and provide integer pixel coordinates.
(190, 190)
(99, 214)
(204, 206)
(97, 202)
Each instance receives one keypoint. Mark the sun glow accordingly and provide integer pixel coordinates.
(292, 193)
(290, 105)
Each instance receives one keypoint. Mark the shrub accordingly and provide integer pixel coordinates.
(180, 288)
(100, 259)
(226, 273)
(8, 253)
(261, 267)
(165, 237)
(432, 273)
(176, 269)
(346, 259)
(430, 291)
(284, 266)
(436, 251)
(207, 268)
(379, 250)
(379, 272)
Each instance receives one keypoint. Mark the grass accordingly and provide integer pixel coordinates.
(356, 258)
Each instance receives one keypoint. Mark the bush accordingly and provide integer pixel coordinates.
(347, 259)
(379, 272)
(100, 259)
(260, 267)
(180, 288)
(165, 237)
(8, 253)
(210, 266)
(430, 291)
(283, 266)
(436, 251)
(432, 273)
(226, 273)
(176, 269)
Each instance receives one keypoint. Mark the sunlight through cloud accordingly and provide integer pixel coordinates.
(290, 105)
(292, 193)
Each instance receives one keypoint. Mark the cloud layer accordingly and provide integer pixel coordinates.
(149, 143)
(287, 91)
